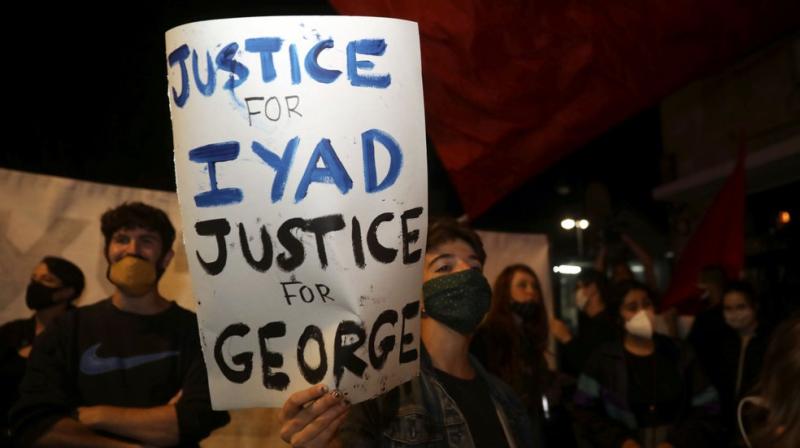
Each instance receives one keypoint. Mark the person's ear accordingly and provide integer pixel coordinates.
(166, 259)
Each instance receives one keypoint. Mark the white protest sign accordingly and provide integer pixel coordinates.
(302, 181)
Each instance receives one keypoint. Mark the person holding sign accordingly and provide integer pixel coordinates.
(454, 401)
(126, 371)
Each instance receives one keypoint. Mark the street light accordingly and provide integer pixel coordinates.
(579, 225)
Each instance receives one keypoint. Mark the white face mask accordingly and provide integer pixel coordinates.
(581, 298)
(757, 401)
(739, 319)
(640, 326)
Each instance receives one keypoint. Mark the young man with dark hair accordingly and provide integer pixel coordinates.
(126, 371)
(454, 401)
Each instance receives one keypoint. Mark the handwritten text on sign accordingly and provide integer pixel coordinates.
(300, 160)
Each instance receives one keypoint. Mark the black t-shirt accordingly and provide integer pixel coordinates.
(13, 336)
(707, 335)
(475, 403)
(99, 354)
(654, 389)
(592, 333)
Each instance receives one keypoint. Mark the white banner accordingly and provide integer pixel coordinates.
(45, 215)
(301, 170)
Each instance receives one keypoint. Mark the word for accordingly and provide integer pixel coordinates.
(305, 292)
(272, 108)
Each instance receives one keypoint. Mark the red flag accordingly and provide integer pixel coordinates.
(513, 86)
(717, 240)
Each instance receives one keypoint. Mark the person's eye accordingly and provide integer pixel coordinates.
(443, 268)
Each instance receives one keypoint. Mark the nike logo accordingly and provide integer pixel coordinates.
(91, 364)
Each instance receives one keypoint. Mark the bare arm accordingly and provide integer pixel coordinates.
(156, 426)
(68, 432)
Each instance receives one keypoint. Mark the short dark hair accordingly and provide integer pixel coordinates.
(444, 230)
(589, 276)
(620, 290)
(744, 288)
(70, 275)
(131, 215)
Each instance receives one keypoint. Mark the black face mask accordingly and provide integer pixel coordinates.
(39, 296)
(528, 311)
(458, 300)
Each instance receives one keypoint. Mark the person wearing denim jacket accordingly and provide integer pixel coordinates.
(421, 413)
(453, 402)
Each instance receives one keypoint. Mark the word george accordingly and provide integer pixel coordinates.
(349, 337)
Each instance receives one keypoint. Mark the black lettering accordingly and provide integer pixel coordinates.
(410, 237)
(344, 356)
(292, 108)
(250, 113)
(378, 251)
(243, 360)
(320, 226)
(266, 108)
(409, 311)
(324, 294)
(313, 376)
(218, 228)
(286, 294)
(303, 295)
(265, 262)
(269, 360)
(358, 246)
(295, 252)
(386, 344)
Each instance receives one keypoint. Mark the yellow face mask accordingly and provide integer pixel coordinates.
(133, 276)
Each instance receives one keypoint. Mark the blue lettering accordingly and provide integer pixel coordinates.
(179, 55)
(320, 74)
(281, 165)
(226, 61)
(373, 47)
(205, 88)
(368, 139)
(211, 154)
(295, 64)
(333, 171)
(265, 46)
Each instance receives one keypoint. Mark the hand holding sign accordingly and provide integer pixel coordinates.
(300, 161)
(311, 417)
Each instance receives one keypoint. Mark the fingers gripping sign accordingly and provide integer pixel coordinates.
(311, 417)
